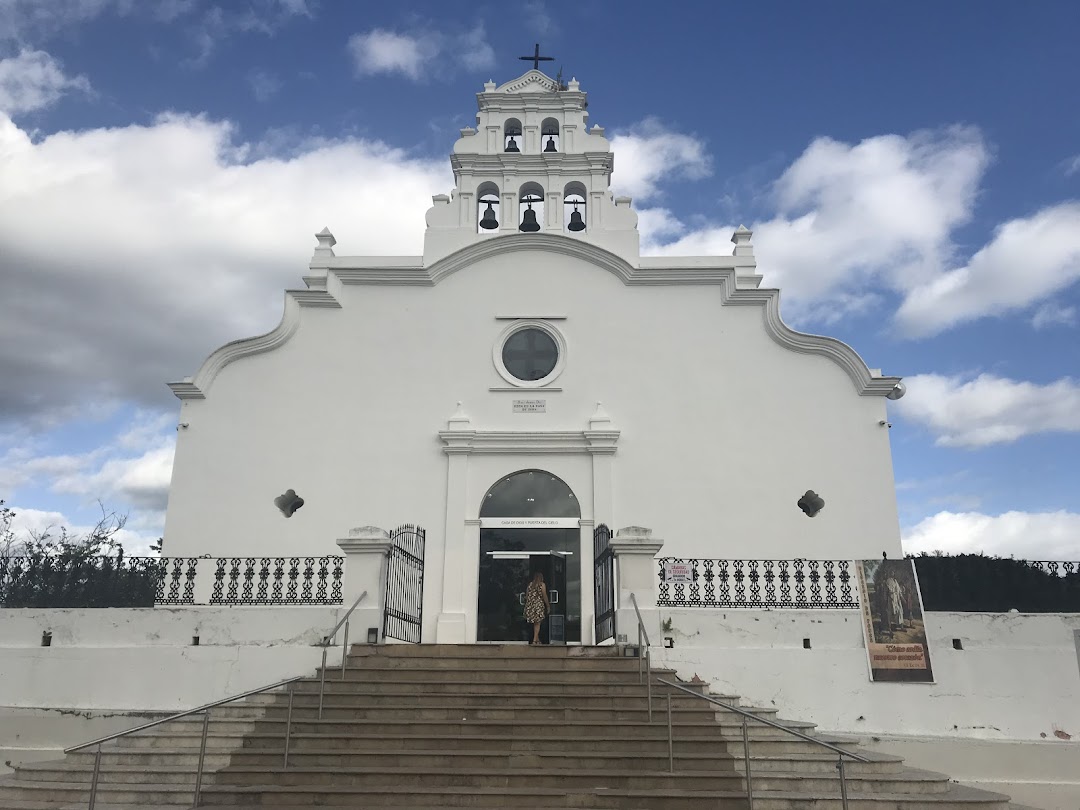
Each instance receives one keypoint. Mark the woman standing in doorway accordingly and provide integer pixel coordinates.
(537, 605)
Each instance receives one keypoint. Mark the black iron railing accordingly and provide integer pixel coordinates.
(802, 584)
(403, 603)
(277, 581)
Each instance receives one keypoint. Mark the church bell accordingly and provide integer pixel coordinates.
(488, 222)
(512, 146)
(576, 223)
(528, 221)
(550, 145)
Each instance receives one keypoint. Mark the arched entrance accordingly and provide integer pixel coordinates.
(529, 521)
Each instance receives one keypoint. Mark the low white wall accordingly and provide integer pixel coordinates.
(106, 669)
(1015, 678)
(144, 659)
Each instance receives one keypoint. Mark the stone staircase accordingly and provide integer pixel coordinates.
(481, 726)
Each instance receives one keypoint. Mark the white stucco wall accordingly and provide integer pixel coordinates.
(143, 659)
(722, 429)
(1016, 677)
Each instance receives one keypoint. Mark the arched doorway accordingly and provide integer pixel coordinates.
(529, 521)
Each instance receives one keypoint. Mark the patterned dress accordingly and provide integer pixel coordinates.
(534, 603)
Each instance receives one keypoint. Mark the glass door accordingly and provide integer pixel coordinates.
(508, 560)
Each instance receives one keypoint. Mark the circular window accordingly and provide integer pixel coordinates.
(530, 354)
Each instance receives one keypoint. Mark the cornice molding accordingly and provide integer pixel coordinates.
(866, 384)
(725, 273)
(295, 300)
(528, 442)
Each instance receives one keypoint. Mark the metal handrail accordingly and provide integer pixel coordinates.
(205, 711)
(746, 741)
(643, 633)
(188, 713)
(344, 620)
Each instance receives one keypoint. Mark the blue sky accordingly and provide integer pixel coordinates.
(911, 172)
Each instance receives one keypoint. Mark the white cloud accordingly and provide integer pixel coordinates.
(135, 540)
(1025, 535)
(21, 19)
(1071, 165)
(649, 154)
(415, 54)
(264, 84)
(380, 51)
(143, 285)
(1052, 314)
(854, 219)
(142, 481)
(34, 80)
(987, 410)
(1028, 259)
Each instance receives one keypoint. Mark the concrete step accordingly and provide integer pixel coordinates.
(372, 663)
(699, 712)
(571, 699)
(478, 652)
(727, 725)
(513, 674)
(442, 684)
(807, 762)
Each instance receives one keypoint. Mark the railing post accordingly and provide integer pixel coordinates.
(202, 758)
(746, 759)
(288, 730)
(648, 681)
(345, 651)
(94, 778)
(641, 658)
(322, 678)
(670, 741)
(843, 781)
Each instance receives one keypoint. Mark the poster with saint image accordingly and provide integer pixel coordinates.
(893, 625)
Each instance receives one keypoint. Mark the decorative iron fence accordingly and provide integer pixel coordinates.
(801, 584)
(42, 581)
(277, 581)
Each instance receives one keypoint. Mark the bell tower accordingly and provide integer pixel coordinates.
(531, 165)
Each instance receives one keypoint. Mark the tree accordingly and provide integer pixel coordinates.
(10, 545)
(54, 569)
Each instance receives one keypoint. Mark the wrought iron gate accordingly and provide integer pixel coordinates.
(403, 606)
(603, 583)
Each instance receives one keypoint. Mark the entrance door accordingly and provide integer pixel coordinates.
(508, 560)
(529, 522)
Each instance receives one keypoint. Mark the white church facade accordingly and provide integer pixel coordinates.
(526, 380)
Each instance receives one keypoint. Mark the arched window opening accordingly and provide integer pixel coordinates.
(574, 200)
(488, 208)
(512, 135)
(530, 493)
(530, 207)
(549, 131)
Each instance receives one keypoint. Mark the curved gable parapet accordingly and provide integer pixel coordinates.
(866, 383)
(295, 300)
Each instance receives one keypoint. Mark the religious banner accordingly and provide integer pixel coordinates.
(896, 645)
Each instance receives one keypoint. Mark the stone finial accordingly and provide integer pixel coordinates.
(573, 85)
(600, 419)
(440, 199)
(326, 243)
(741, 238)
(467, 131)
(459, 420)
(623, 202)
(489, 86)
(597, 130)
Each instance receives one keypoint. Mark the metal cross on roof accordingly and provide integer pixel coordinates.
(536, 58)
